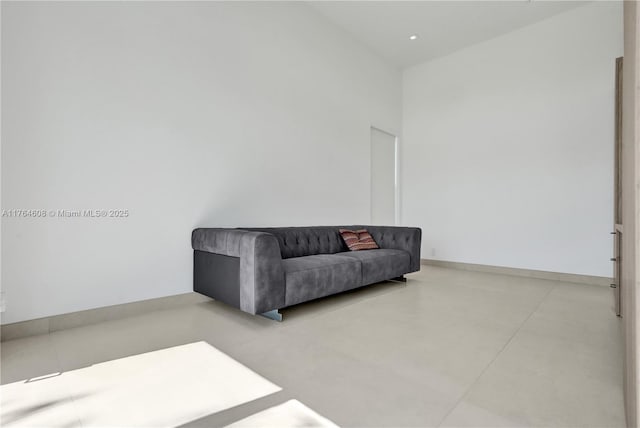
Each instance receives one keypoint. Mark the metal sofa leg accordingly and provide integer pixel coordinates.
(399, 279)
(274, 315)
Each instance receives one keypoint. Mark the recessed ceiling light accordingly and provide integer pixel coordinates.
(413, 37)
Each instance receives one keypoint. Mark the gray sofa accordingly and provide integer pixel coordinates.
(261, 270)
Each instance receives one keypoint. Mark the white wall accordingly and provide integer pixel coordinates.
(508, 146)
(187, 115)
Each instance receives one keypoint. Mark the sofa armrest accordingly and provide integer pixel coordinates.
(399, 238)
(261, 275)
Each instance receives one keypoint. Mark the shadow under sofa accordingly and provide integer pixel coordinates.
(262, 270)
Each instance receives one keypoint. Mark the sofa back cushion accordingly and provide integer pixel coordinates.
(306, 241)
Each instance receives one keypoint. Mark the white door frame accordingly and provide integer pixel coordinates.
(396, 174)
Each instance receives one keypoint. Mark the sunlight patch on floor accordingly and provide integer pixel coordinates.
(168, 387)
(290, 414)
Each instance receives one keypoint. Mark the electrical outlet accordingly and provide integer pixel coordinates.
(3, 302)
(433, 252)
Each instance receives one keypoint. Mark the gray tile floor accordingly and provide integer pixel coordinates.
(448, 348)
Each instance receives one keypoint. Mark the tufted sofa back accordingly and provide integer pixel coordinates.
(309, 241)
(306, 241)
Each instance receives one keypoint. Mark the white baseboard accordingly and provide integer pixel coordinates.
(527, 273)
(92, 316)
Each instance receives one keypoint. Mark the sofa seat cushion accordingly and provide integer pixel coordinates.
(380, 265)
(311, 277)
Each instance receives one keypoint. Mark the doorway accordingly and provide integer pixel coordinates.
(384, 177)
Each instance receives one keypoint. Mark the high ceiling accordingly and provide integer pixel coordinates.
(442, 26)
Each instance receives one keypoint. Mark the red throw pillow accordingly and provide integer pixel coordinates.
(358, 239)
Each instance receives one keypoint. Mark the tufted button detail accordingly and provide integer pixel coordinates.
(300, 242)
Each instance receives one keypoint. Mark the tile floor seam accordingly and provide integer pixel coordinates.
(493, 360)
(60, 367)
(346, 304)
